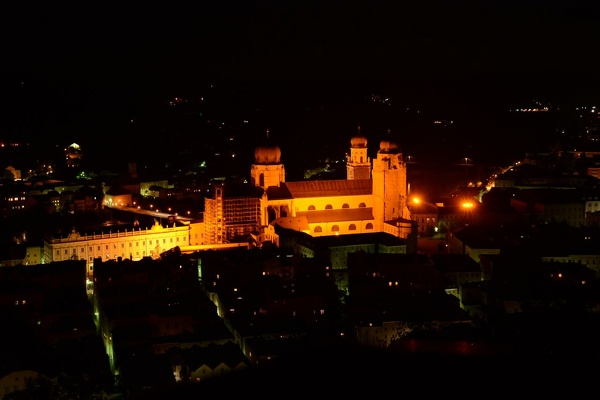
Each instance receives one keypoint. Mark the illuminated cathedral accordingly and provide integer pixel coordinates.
(371, 199)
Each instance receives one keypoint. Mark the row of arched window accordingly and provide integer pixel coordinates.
(336, 228)
(330, 207)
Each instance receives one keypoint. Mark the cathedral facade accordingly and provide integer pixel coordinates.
(371, 199)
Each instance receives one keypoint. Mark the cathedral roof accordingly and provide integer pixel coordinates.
(385, 146)
(358, 141)
(278, 192)
(267, 155)
(298, 223)
(353, 187)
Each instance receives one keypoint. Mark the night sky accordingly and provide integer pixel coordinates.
(300, 40)
(297, 68)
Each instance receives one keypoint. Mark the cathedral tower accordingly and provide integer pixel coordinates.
(358, 164)
(267, 169)
(389, 183)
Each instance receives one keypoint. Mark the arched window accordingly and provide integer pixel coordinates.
(352, 227)
(369, 226)
(311, 208)
(328, 207)
(345, 205)
(335, 228)
(362, 205)
(318, 229)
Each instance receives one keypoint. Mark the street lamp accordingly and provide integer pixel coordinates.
(467, 204)
(425, 214)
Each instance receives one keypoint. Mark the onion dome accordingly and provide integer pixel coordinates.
(358, 141)
(269, 154)
(385, 146)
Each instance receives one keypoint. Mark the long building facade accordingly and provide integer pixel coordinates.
(372, 198)
(134, 244)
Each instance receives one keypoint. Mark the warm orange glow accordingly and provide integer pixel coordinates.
(468, 204)
(416, 200)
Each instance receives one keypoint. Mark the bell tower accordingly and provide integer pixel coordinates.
(267, 169)
(358, 164)
(389, 183)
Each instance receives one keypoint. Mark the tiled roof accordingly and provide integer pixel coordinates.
(294, 223)
(354, 187)
(276, 193)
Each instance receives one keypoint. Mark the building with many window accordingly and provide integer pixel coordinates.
(133, 244)
(372, 198)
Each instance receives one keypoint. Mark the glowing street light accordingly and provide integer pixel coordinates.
(467, 204)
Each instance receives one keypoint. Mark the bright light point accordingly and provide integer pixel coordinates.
(416, 200)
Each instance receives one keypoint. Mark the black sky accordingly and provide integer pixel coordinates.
(413, 41)
(98, 63)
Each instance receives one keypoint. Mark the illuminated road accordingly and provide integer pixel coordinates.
(150, 213)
